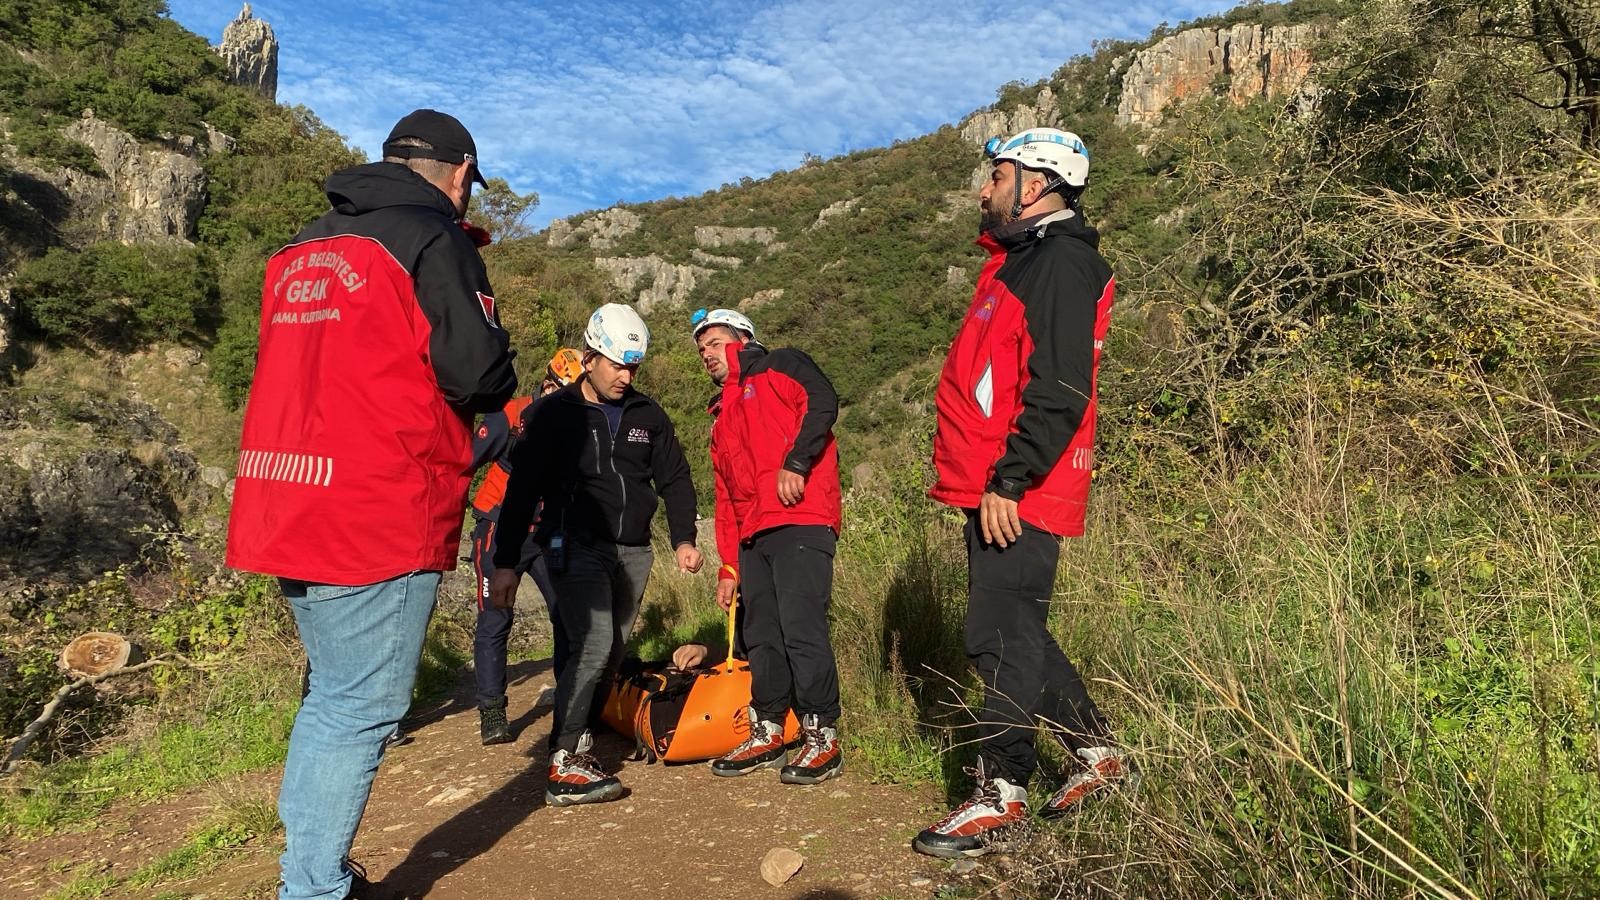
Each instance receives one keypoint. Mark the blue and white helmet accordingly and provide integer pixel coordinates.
(732, 318)
(1061, 153)
(616, 332)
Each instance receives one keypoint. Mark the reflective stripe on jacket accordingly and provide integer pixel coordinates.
(1016, 399)
(379, 341)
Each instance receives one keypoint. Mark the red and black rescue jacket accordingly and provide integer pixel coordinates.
(776, 411)
(379, 341)
(491, 445)
(1016, 399)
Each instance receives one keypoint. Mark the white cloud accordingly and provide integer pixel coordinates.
(591, 102)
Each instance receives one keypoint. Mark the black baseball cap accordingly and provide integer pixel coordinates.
(451, 141)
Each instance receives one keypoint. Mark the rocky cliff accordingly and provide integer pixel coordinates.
(1247, 61)
(251, 51)
(148, 195)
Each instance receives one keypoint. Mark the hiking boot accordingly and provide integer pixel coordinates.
(492, 725)
(1105, 767)
(820, 757)
(577, 777)
(399, 737)
(763, 749)
(995, 804)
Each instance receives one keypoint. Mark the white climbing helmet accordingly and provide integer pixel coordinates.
(616, 332)
(732, 318)
(1061, 153)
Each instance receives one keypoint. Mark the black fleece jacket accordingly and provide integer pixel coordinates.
(596, 487)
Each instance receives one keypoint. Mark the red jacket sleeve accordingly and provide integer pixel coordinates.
(727, 525)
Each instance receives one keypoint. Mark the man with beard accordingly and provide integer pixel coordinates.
(777, 476)
(1014, 450)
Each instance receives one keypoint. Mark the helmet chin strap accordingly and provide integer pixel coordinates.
(1016, 205)
(1051, 184)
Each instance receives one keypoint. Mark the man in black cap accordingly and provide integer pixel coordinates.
(379, 341)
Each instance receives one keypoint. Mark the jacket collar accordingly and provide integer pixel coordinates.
(373, 186)
(1021, 232)
(573, 393)
(741, 356)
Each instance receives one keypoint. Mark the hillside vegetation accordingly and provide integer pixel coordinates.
(1339, 586)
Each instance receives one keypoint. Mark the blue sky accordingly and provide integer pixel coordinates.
(590, 102)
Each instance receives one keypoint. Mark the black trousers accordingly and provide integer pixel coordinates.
(1027, 680)
(493, 630)
(597, 600)
(786, 585)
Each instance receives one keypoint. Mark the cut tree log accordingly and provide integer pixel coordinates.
(98, 652)
(31, 733)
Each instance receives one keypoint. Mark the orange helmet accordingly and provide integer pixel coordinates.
(565, 366)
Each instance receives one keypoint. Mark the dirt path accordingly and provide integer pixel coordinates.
(452, 819)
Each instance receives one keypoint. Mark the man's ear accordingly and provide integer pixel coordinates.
(1032, 187)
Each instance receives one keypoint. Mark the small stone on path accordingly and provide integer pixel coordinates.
(964, 867)
(779, 865)
(920, 882)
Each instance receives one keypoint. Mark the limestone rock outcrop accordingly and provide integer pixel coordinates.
(664, 282)
(602, 230)
(149, 195)
(834, 211)
(711, 237)
(250, 50)
(711, 259)
(760, 298)
(1255, 62)
(79, 501)
(1043, 112)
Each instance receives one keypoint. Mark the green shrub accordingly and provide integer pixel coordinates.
(115, 295)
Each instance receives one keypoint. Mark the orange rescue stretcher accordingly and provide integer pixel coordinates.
(686, 715)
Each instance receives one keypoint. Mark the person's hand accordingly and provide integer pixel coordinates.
(726, 588)
(689, 655)
(689, 558)
(791, 487)
(503, 588)
(998, 518)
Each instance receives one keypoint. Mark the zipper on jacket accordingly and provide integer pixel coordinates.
(622, 507)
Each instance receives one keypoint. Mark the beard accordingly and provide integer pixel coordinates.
(989, 219)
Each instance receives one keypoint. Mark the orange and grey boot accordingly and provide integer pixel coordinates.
(763, 749)
(820, 755)
(967, 831)
(576, 777)
(1104, 766)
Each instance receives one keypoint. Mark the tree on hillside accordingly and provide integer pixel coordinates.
(502, 210)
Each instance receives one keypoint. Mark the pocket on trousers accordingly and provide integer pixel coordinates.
(318, 593)
(824, 543)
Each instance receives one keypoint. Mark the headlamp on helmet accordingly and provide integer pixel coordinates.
(729, 318)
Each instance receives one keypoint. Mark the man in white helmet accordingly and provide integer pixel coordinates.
(777, 474)
(600, 455)
(1014, 449)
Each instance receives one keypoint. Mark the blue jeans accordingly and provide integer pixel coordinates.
(363, 644)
